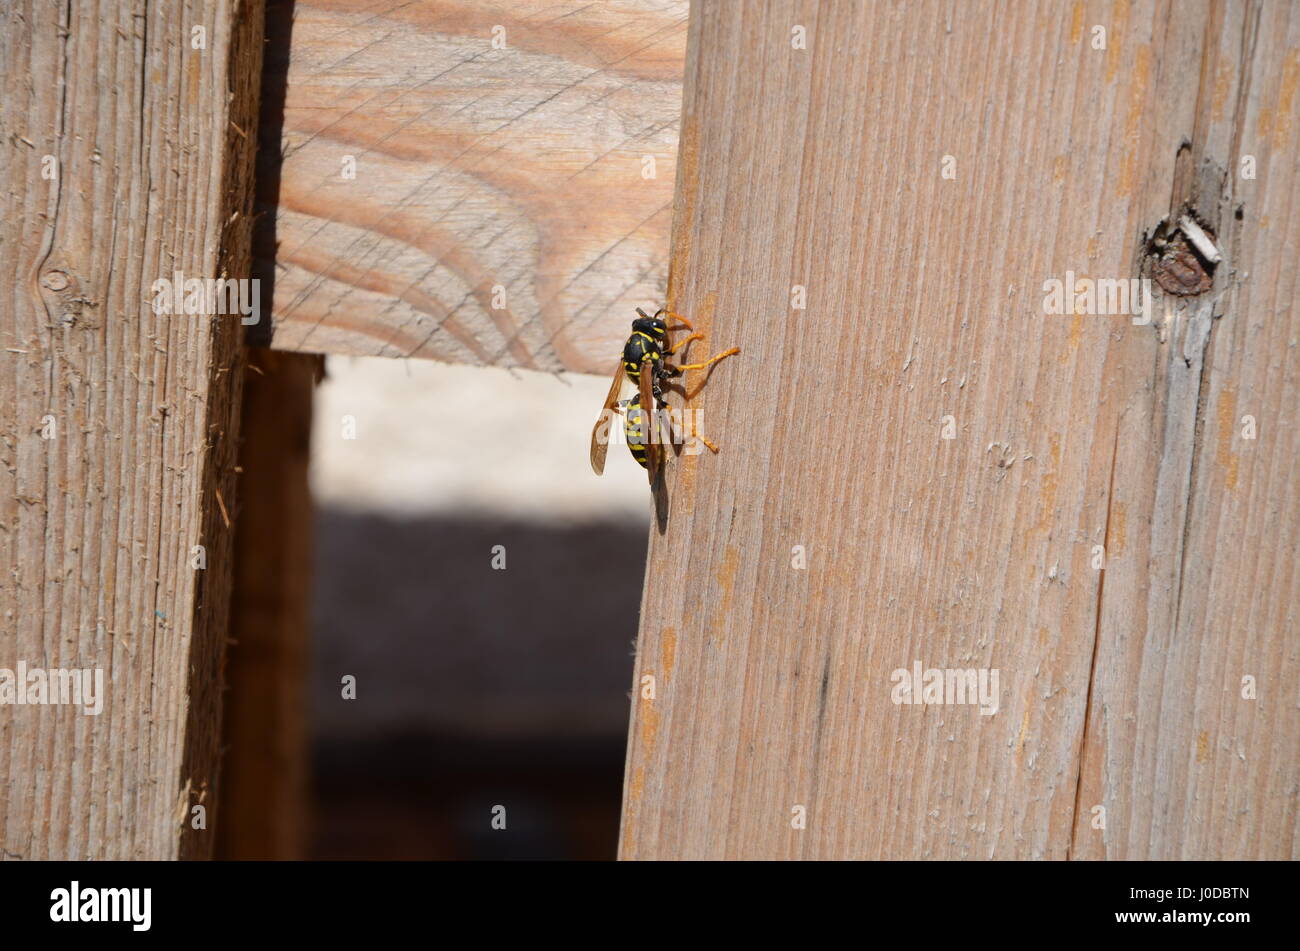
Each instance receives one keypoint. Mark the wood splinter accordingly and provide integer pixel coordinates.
(1200, 239)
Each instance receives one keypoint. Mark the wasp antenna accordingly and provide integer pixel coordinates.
(643, 313)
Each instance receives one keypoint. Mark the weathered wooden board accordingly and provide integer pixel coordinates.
(1201, 589)
(824, 168)
(442, 197)
(118, 424)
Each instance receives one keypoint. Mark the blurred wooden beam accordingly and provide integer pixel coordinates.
(264, 802)
(448, 198)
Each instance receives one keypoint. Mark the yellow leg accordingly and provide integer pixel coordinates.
(712, 360)
(683, 342)
(695, 434)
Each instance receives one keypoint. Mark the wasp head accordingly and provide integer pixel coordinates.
(650, 325)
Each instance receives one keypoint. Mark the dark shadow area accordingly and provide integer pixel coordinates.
(270, 129)
(476, 686)
(424, 796)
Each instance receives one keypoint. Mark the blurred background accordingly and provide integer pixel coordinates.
(475, 687)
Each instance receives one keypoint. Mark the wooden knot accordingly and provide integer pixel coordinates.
(55, 280)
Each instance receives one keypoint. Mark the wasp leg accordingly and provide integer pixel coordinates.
(695, 434)
(712, 360)
(684, 341)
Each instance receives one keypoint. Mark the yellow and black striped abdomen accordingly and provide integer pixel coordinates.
(636, 430)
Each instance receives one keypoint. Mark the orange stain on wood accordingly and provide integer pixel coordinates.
(1222, 86)
(726, 578)
(688, 181)
(627, 838)
(1202, 747)
(1115, 38)
(193, 72)
(706, 309)
(649, 725)
(636, 787)
(1133, 121)
(1117, 538)
(668, 650)
(1076, 21)
(1051, 482)
(1265, 123)
(1286, 99)
(1076, 335)
(1224, 456)
(1060, 165)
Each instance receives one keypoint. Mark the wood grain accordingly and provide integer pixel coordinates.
(101, 519)
(1119, 687)
(498, 214)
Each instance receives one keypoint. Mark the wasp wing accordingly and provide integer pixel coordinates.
(650, 414)
(599, 446)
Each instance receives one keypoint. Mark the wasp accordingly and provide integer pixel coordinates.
(645, 363)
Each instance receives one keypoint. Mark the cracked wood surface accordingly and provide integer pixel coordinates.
(498, 212)
(149, 139)
(1120, 688)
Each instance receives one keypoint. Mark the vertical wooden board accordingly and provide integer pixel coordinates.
(118, 424)
(1186, 759)
(822, 168)
(469, 180)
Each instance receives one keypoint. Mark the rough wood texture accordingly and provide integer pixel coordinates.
(154, 166)
(264, 770)
(1120, 688)
(498, 214)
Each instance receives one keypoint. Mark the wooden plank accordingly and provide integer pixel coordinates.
(264, 800)
(1201, 589)
(497, 212)
(145, 112)
(822, 167)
